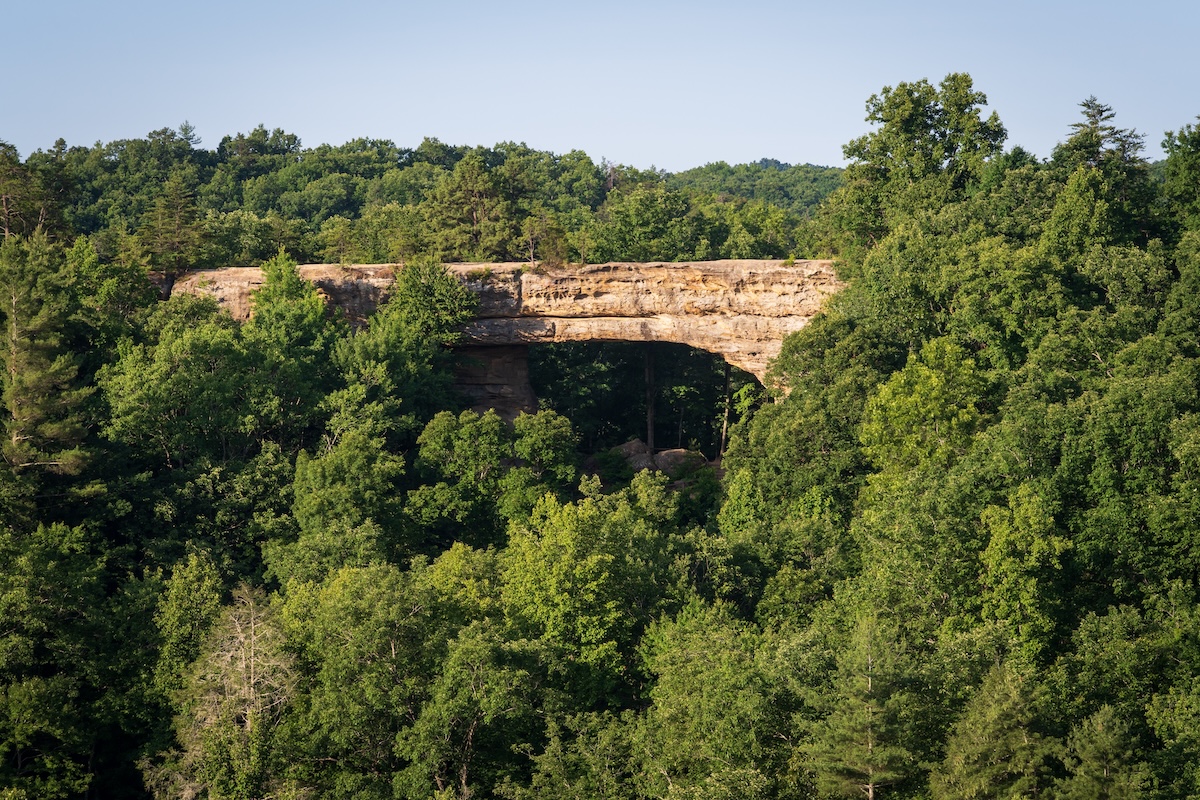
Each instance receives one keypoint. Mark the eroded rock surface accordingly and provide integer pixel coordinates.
(355, 288)
(741, 310)
(496, 377)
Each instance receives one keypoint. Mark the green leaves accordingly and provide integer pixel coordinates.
(956, 556)
(483, 473)
(190, 395)
(292, 333)
(868, 738)
(926, 131)
(479, 704)
(186, 611)
(588, 576)
(1021, 570)
(1181, 175)
(1101, 761)
(55, 653)
(927, 411)
(169, 232)
(376, 629)
(1080, 219)
(235, 698)
(712, 722)
(43, 422)
(469, 216)
(400, 356)
(996, 749)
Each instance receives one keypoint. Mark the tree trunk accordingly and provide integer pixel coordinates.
(725, 416)
(648, 353)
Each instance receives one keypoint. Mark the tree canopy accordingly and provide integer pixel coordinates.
(280, 558)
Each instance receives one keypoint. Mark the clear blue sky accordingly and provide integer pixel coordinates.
(668, 84)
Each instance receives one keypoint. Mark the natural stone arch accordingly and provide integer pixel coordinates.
(740, 310)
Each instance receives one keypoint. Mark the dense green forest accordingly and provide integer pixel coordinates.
(167, 204)
(954, 556)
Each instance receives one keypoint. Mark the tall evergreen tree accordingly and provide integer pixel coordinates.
(170, 230)
(1101, 761)
(996, 750)
(43, 427)
(24, 204)
(867, 740)
(52, 657)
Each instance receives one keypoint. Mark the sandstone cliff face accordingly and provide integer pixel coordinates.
(356, 289)
(741, 310)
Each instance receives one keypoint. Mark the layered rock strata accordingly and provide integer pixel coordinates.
(356, 289)
(740, 310)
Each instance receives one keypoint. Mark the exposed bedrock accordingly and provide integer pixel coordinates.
(740, 310)
(496, 377)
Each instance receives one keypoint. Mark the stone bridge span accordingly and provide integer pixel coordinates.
(740, 310)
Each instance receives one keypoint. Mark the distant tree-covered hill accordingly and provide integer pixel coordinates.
(796, 188)
(167, 203)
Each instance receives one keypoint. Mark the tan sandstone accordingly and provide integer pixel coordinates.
(741, 310)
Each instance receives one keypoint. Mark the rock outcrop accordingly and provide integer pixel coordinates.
(354, 288)
(740, 310)
(675, 462)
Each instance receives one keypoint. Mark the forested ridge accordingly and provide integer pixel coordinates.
(953, 556)
(166, 203)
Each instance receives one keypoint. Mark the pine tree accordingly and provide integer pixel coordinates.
(43, 426)
(1101, 761)
(866, 741)
(170, 230)
(995, 750)
(25, 204)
